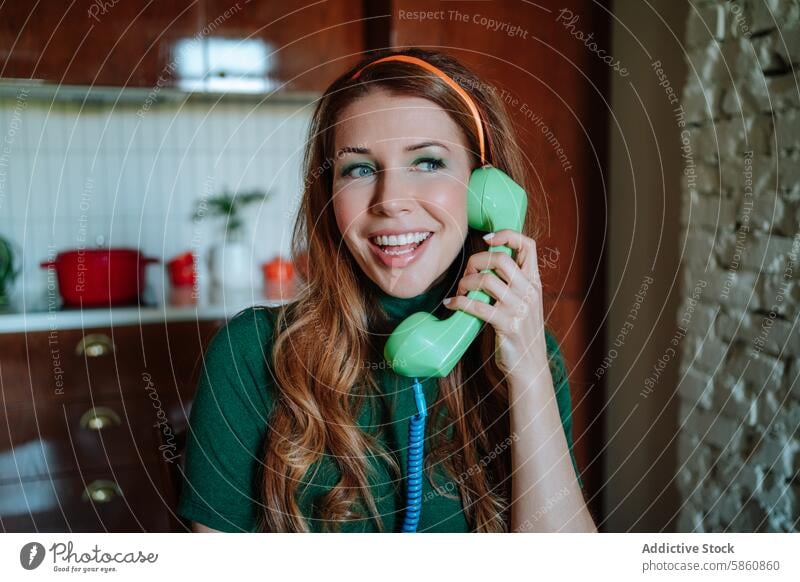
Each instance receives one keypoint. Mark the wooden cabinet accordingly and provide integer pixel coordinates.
(87, 42)
(172, 44)
(308, 43)
(92, 422)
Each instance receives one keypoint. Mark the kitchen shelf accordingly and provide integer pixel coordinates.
(41, 91)
(15, 322)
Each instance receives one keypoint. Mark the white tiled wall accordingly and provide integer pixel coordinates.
(134, 177)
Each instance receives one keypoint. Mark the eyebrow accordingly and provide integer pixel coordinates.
(411, 148)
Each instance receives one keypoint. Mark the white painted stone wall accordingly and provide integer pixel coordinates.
(739, 393)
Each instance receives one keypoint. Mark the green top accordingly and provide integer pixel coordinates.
(230, 415)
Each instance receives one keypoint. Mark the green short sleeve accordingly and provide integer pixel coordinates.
(561, 384)
(227, 426)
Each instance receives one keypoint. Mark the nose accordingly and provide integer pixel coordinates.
(394, 194)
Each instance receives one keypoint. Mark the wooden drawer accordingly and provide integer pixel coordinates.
(52, 439)
(75, 364)
(96, 404)
(66, 365)
(121, 501)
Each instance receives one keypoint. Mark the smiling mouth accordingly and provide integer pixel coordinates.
(400, 245)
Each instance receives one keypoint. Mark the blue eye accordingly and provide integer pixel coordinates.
(427, 164)
(348, 172)
(435, 163)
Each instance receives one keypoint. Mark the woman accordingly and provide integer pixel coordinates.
(300, 425)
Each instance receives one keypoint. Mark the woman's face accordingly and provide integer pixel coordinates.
(399, 189)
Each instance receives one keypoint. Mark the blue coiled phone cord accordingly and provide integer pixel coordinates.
(416, 440)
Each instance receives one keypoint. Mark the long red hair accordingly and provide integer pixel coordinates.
(323, 339)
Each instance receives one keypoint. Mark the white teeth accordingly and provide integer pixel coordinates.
(401, 239)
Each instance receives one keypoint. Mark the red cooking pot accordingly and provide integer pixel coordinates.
(92, 277)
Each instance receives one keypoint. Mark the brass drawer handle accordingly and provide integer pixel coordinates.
(99, 417)
(95, 345)
(101, 491)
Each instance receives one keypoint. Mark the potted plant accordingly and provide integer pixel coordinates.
(230, 261)
(8, 272)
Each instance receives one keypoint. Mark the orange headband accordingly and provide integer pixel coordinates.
(444, 77)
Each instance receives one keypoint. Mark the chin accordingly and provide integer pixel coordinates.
(399, 283)
(402, 291)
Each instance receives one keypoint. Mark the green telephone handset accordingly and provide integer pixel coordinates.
(423, 346)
